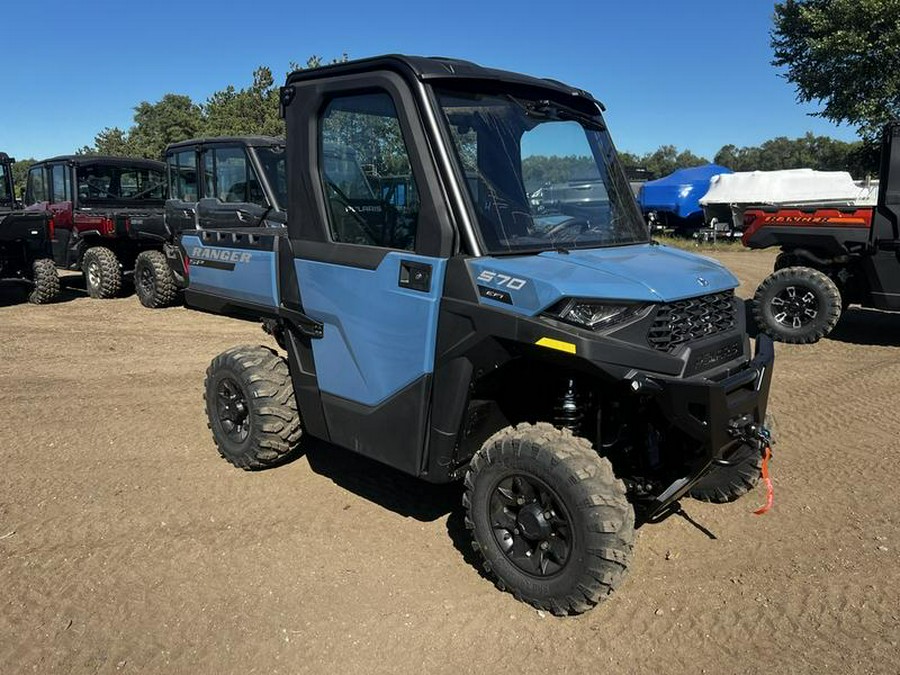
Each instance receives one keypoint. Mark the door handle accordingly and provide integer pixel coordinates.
(415, 276)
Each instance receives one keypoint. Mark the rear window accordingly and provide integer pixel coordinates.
(109, 182)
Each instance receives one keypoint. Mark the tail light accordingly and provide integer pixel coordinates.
(51, 228)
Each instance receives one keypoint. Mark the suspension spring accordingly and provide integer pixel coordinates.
(568, 412)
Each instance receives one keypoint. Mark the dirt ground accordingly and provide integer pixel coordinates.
(127, 544)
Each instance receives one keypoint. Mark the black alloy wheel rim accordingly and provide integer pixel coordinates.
(231, 406)
(531, 526)
(147, 281)
(795, 306)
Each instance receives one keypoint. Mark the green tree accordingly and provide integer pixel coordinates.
(173, 118)
(810, 151)
(240, 112)
(110, 141)
(252, 110)
(20, 174)
(844, 54)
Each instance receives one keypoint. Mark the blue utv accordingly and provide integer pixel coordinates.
(576, 376)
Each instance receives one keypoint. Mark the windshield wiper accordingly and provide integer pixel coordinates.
(553, 110)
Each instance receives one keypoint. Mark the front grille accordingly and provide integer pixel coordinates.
(686, 320)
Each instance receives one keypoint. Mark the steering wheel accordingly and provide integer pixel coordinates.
(563, 228)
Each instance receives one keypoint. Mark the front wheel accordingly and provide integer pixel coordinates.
(797, 305)
(251, 408)
(549, 518)
(727, 483)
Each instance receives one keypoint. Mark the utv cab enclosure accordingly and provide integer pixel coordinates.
(571, 372)
(831, 257)
(104, 212)
(25, 251)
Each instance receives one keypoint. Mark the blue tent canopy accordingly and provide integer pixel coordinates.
(679, 193)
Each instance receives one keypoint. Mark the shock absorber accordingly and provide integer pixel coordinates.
(568, 411)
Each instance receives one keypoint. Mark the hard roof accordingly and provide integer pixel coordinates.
(253, 141)
(104, 159)
(427, 68)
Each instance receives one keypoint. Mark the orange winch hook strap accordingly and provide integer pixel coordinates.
(770, 491)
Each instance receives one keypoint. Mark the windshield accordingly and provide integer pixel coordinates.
(114, 183)
(5, 195)
(272, 160)
(540, 175)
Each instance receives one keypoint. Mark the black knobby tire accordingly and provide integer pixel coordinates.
(797, 305)
(540, 489)
(46, 282)
(727, 483)
(786, 260)
(102, 272)
(251, 408)
(154, 282)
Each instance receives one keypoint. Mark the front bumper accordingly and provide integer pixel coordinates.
(717, 414)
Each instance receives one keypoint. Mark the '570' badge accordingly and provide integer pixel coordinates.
(505, 280)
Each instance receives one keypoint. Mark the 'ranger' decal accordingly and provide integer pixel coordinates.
(220, 254)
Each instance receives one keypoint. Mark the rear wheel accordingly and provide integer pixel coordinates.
(251, 408)
(46, 282)
(797, 305)
(102, 272)
(549, 518)
(154, 282)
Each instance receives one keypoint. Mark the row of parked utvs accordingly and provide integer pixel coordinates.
(110, 218)
(578, 378)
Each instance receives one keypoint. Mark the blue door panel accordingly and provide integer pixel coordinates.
(378, 337)
(238, 273)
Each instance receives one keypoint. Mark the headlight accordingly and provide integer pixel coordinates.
(594, 314)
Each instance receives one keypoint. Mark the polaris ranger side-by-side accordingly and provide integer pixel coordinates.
(831, 257)
(214, 183)
(25, 251)
(575, 375)
(103, 214)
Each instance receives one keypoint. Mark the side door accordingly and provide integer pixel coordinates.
(883, 267)
(376, 278)
(236, 197)
(60, 206)
(181, 206)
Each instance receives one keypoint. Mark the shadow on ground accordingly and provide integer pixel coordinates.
(16, 292)
(868, 327)
(389, 488)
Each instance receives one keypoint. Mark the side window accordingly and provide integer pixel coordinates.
(209, 174)
(366, 173)
(36, 190)
(232, 183)
(183, 176)
(4, 185)
(59, 175)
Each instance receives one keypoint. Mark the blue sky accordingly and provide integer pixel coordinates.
(694, 73)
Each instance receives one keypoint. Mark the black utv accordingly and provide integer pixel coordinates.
(26, 253)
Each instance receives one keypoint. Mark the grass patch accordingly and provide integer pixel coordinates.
(733, 245)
